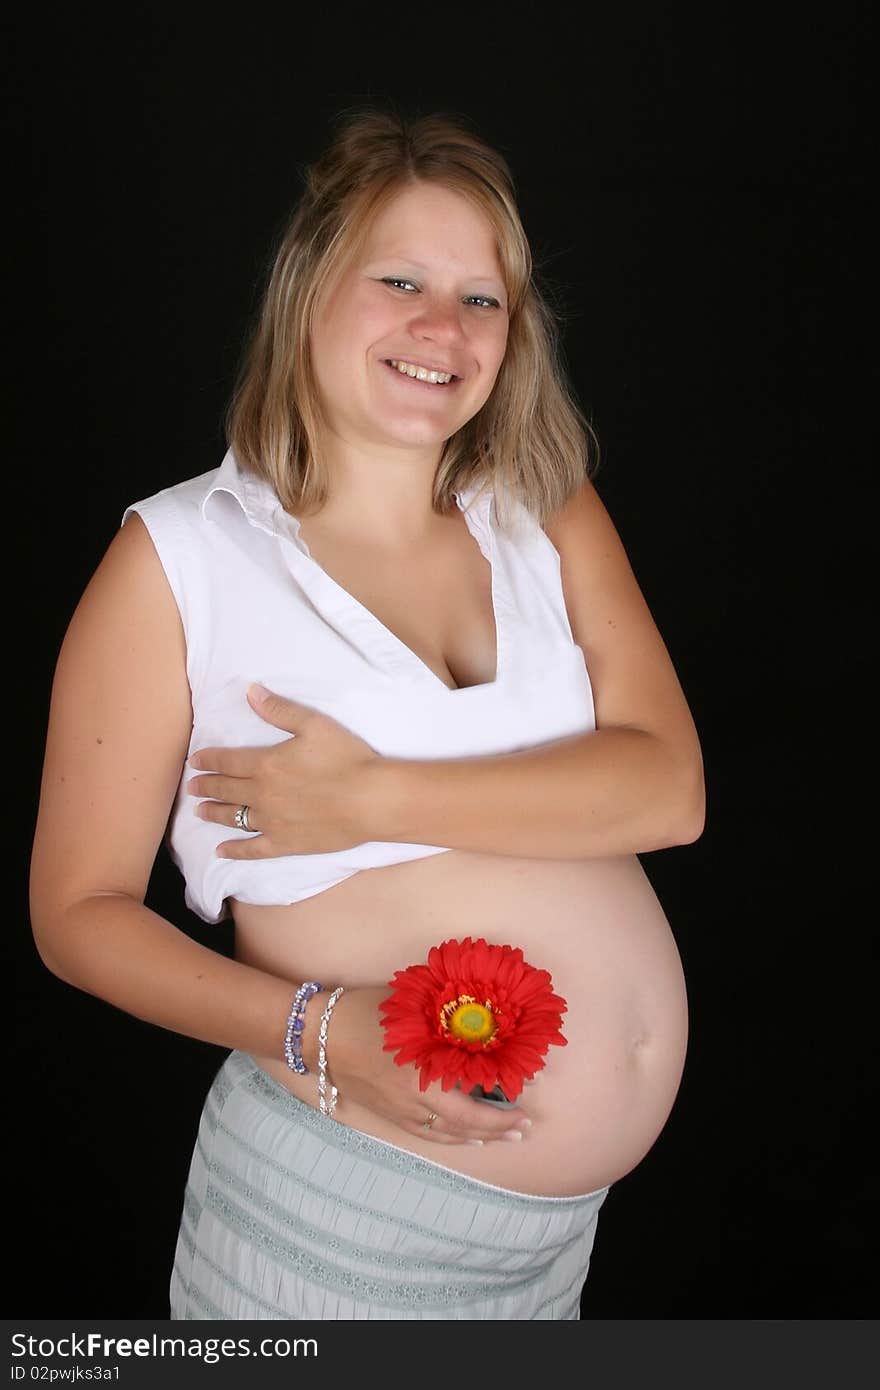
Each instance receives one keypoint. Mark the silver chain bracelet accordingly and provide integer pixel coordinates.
(326, 1102)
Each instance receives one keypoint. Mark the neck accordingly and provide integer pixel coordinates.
(379, 492)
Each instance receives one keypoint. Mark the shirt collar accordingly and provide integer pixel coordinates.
(255, 497)
(260, 503)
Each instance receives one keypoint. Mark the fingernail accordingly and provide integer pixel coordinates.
(524, 1122)
(259, 692)
(194, 761)
(512, 1134)
(477, 1143)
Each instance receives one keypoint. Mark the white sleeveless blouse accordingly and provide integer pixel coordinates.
(255, 606)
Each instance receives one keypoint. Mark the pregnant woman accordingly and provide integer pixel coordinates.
(387, 680)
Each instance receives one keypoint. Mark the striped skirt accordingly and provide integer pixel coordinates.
(290, 1215)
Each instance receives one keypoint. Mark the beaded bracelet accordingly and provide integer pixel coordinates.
(327, 1103)
(293, 1036)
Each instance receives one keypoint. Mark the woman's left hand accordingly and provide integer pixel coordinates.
(307, 795)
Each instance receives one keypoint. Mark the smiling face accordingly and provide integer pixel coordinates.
(407, 343)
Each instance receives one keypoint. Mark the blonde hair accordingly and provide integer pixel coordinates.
(529, 437)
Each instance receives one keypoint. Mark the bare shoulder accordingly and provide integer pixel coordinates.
(130, 565)
(596, 573)
(126, 636)
(581, 520)
(559, 524)
(127, 607)
(119, 726)
(633, 679)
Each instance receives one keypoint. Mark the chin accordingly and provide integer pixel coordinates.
(418, 434)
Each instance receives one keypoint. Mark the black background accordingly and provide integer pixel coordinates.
(695, 187)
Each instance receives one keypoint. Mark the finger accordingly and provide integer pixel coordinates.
(476, 1120)
(437, 1135)
(216, 787)
(285, 714)
(485, 1122)
(256, 846)
(223, 813)
(234, 762)
(448, 1140)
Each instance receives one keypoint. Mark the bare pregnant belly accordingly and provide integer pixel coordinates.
(596, 925)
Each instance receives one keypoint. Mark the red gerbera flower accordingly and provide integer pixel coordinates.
(475, 1014)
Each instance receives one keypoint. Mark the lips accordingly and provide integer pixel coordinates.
(431, 374)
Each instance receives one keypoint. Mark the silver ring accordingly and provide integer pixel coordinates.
(426, 1124)
(240, 819)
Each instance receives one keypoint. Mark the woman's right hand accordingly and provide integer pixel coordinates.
(369, 1077)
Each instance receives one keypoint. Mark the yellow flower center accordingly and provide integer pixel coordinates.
(468, 1020)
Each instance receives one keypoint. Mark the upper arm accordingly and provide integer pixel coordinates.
(634, 682)
(119, 726)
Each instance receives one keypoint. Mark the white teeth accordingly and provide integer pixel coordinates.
(422, 373)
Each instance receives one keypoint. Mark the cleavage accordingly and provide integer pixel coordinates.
(436, 600)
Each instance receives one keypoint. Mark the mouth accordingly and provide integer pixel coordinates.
(416, 371)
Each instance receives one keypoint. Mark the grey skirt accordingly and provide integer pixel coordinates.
(290, 1215)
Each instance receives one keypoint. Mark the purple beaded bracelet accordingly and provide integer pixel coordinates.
(293, 1036)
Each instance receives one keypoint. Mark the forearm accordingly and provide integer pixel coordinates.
(112, 946)
(616, 791)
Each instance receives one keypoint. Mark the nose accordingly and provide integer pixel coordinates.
(438, 320)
